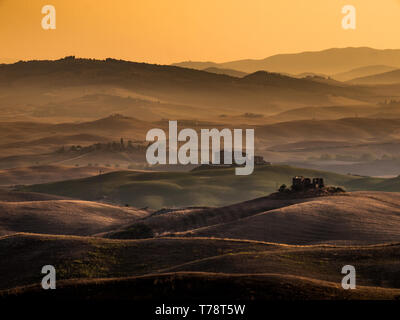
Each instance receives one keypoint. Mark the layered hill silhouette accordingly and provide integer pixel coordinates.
(229, 72)
(29, 138)
(293, 124)
(79, 195)
(360, 128)
(69, 88)
(330, 61)
(363, 72)
(326, 113)
(90, 130)
(390, 77)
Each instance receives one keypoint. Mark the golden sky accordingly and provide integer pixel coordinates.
(166, 31)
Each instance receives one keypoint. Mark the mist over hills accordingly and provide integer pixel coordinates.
(77, 190)
(328, 61)
(71, 88)
(362, 72)
(229, 72)
(390, 77)
(290, 137)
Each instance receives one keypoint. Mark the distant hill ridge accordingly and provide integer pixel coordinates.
(229, 72)
(362, 72)
(174, 84)
(329, 61)
(390, 77)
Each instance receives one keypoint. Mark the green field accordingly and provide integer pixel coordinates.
(215, 187)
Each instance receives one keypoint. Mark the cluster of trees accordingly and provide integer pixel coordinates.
(108, 146)
(331, 189)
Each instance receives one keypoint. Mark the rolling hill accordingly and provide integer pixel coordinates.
(45, 174)
(205, 232)
(368, 129)
(124, 269)
(363, 218)
(92, 88)
(88, 257)
(194, 287)
(101, 104)
(359, 129)
(354, 217)
(324, 113)
(169, 221)
(213, 187)
(15, 196)
(73, 217)
(89, 131)
(290, 137)
(19, 137)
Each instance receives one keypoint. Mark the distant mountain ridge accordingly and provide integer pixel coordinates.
(391, 77)
(330, 61)
(362, 72)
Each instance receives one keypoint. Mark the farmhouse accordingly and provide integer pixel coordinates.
(301, 183)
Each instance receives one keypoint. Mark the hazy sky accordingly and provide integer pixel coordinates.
(162, 31)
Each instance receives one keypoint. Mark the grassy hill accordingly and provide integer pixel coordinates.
(357, 217)
(196, 188)
(43, 174)
(145, 269)
(88, 257)
(74, 217)
(344, 218)
(197, 287)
